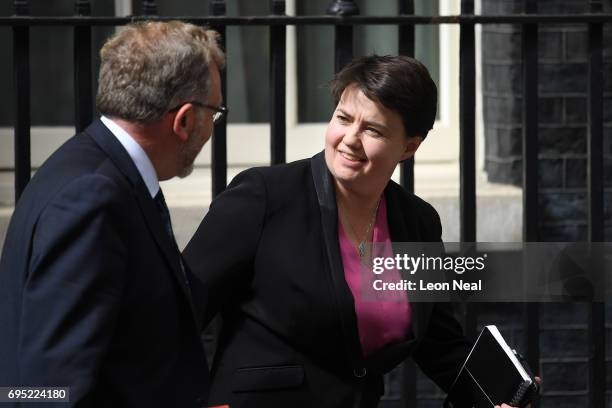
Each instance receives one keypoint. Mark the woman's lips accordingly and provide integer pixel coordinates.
(350, 160)
(351, 157)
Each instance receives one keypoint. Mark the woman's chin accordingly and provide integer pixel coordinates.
(350, 179)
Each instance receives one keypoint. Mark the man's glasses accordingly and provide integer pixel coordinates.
(220, 111)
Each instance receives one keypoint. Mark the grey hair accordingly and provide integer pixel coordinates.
(148, 68)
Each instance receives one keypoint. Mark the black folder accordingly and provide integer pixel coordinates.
(491, 375)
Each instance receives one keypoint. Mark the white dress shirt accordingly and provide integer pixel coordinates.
(137, 154)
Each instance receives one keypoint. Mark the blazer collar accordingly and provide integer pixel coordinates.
(402, 217)
(122, 160)
(403, 227)
(326, 196)
(115, 151)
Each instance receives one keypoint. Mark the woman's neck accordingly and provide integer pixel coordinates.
(356, 208)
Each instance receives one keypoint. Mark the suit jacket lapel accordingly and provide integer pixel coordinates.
(326, 195)
(115, 151)
(404, 227)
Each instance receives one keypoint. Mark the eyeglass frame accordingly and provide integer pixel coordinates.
(220, 111)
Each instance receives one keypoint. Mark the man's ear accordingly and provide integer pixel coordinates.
(412, 145)
(184, 121)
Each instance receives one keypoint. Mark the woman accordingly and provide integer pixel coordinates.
(279, 252)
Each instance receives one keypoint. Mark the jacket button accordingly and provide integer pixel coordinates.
(360, 372)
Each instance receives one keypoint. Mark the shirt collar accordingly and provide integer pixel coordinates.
(137, 154)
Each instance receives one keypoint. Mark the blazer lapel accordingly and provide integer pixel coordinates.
(115, 151)
(326, 195)
(404, 227)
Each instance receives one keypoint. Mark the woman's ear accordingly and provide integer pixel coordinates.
(412, 145)
(184, 121)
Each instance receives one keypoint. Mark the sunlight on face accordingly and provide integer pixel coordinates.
(364, 142)
(204, 126)
(190, 150)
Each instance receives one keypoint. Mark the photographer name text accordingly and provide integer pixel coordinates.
(421, 285)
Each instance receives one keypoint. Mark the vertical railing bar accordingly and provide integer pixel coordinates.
(218, 164)
(278, 38)
(408, 391)
(530, 127)
(219, 139)
(531, 310)
(83, 112)
(467, 148)
(406, 31)
(597, 363)
(406, 47)
(406, 44)
(595, 134)
(21, 73)
(597, 320)
(467, 126)
(343, 43)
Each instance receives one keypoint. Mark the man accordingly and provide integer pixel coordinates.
(94, 295)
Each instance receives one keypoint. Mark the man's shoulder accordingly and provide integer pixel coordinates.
(79, 154)
(78, 166)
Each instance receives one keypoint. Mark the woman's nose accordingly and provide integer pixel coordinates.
(352, 136)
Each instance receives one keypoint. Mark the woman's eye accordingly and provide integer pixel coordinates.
(373, 131)
(342, 119)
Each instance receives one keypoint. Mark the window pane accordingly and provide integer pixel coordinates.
(315, 63)
(51, 64)
(427, 39)
(248, 82)
(315, 51)
(248, 90)
(6, 68)
(376, 39)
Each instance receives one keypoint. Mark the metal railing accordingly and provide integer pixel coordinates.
(344, 15)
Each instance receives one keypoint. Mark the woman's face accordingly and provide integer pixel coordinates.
(364, 142)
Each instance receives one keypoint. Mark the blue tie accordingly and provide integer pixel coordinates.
(165, 216)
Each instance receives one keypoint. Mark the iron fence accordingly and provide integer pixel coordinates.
(344, 16)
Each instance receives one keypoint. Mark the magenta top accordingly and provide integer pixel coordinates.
(383, 317)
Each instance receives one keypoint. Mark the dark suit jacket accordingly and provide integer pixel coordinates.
(91, 291)
(268, 252)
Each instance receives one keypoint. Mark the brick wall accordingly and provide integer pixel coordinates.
(562, 107)
(562, 166)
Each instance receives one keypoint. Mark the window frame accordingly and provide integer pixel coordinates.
(303, 139)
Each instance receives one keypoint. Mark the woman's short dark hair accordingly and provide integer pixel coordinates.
(399, 83)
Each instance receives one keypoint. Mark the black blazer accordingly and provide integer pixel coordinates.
(91, 291)
(269, 255)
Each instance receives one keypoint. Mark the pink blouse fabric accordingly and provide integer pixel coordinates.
(383, 317)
